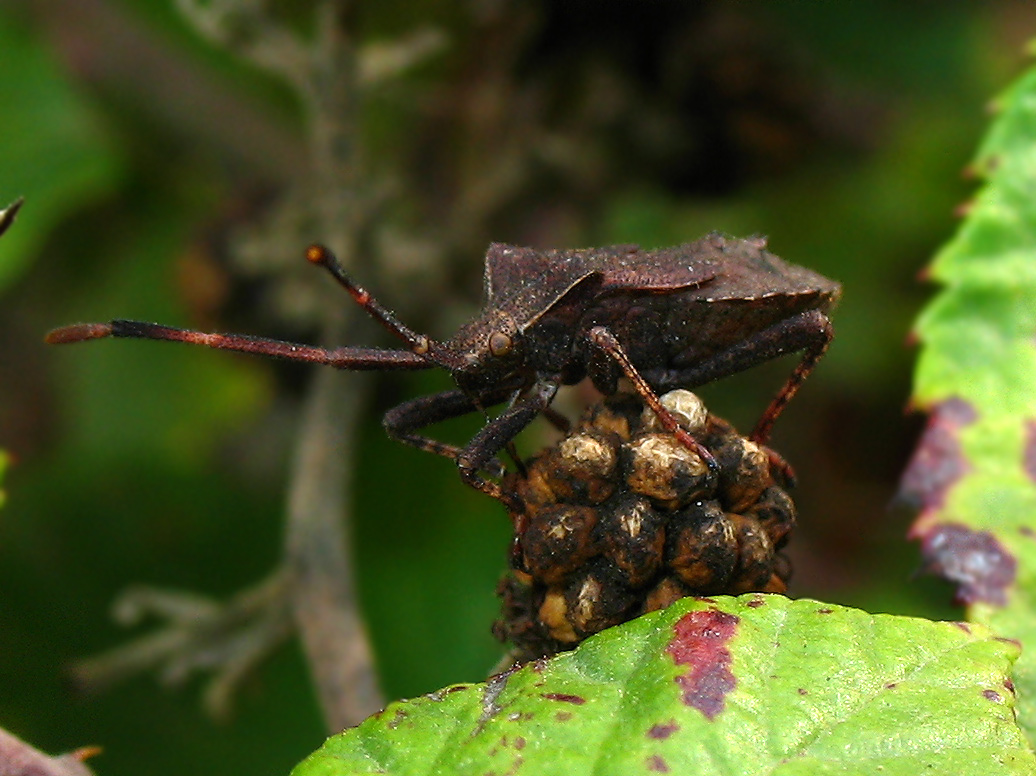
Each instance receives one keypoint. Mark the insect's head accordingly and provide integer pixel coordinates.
(488, 351)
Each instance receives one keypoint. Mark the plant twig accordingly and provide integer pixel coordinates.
(333, 634)
(200, 634)
(317, 561)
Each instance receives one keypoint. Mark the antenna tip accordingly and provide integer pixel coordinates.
(78, 332)
(316, 254)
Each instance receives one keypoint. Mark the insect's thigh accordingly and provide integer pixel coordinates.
(809, 331)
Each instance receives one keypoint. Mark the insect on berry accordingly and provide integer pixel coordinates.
(671, 318)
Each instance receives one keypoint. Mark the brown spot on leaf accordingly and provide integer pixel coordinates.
(890, 685)
(824, 611)
(579, 700)
(979, 565)
(756, 602)
(662, 731)
(937, 462)
(992, 695)
(700, 642)
(803, 691)
(563, 716)
(1009, 685)
(1029, 453)
(963, 626)
(657, 764)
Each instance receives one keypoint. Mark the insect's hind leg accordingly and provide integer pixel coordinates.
(809, 332)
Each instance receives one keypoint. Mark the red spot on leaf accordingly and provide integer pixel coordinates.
(992, 695)
(963, 626)
(700, 642)
(656, 764)
(662, 731)
(1029, 454)
(1009, 685)
(937, 462)
(979, 565)
(579, 700)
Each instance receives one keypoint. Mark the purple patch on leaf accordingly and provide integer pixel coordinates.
(974, 560)
(937, 463)
(663, 731)
(700, 642)
(656, 764)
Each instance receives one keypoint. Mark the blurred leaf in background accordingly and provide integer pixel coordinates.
(55, 149)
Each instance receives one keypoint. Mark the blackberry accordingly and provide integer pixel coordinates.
(619, 518)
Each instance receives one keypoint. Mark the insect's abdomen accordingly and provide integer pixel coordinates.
(696, 329)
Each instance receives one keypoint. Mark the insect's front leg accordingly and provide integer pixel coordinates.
(495, 436)
(603, 340)
(403, 421)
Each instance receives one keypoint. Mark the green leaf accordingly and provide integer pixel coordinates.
(53, 148)
(750, 685)
(974, 472)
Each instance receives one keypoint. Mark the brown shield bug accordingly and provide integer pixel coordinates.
(672, 318)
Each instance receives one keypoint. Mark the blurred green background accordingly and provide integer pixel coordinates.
(838, 129)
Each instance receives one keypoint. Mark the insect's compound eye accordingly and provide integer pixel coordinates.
(499, 343)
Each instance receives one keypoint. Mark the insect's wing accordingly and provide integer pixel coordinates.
(669, 269)
(527, 283)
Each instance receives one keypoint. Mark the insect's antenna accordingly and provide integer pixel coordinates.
(341, 358)
(420, 344)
